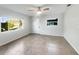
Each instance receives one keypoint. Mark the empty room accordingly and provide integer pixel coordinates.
(39, 29)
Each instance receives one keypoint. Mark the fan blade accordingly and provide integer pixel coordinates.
(45, 9)
(30, 10)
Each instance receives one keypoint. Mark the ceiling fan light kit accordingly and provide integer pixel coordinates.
(39, 12)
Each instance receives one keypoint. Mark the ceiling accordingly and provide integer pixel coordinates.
(22, 8)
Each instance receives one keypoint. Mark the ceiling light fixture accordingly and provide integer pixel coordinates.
(39, 12)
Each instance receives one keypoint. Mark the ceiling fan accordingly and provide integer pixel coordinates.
(39, 10)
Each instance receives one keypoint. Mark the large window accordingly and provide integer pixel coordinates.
(10, 23)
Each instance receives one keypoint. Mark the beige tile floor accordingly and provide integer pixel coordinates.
(36, 44)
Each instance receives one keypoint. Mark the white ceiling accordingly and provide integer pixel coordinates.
(22, 8)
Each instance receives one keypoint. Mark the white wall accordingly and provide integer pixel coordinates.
(40, 24)
(71, 26)
(6, 37)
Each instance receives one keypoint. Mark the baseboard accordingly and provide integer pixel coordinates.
(71, 45)
(47, 34)
(14, 40)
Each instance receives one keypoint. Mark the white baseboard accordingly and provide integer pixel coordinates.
(50, 34)
(13, 40)
(71, 44)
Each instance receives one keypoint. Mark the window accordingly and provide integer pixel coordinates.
(10, 23)
(52, 22)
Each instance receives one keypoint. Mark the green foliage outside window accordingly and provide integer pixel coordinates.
(11, 24)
